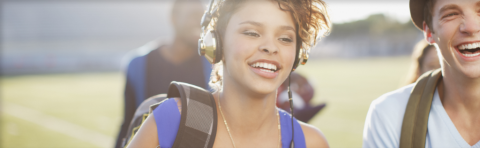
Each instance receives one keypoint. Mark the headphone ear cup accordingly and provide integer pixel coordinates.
(209, 46)
(218, 51)
(304, 57)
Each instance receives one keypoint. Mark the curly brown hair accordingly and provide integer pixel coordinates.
(311, 22)
(311, 18)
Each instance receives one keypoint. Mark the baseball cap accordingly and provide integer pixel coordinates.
(416, 12)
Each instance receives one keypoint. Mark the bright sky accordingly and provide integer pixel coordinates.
(350, 10)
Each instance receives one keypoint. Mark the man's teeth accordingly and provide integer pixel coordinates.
(471, 55)
(470, 50)
(266, 66)
(469, 46)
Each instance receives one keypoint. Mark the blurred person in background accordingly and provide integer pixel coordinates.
(443, 109)
(424, 58)
(151, 74)
(302, 94)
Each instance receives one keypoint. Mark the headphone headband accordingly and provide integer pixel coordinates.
(207, 16)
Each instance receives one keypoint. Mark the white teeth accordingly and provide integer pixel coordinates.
(469, 46)
(272, 67)
(266, 70)
(471, 55)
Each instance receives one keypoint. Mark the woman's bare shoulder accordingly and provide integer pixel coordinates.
(313, 136)
(147, 135)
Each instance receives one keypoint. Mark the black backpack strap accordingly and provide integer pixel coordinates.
(415, 120)
(198, 123)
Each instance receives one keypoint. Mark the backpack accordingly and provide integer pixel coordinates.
(196, 102)
(415, 120)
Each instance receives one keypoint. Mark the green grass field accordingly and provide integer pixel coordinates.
(41, 110)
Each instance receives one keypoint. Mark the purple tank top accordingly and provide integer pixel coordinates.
(167, 118)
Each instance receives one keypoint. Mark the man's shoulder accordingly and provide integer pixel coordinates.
(138, 54)
(393, 101)
(391, 105)
(385, 117)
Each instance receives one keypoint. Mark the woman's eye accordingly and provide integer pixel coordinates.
(288, 40)
(249, 33)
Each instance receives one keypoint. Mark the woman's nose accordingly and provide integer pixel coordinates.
(269, 47)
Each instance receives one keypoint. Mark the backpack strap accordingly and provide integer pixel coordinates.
(415, 120)
(198, 123)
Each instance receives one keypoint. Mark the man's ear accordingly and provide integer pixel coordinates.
(427, 33)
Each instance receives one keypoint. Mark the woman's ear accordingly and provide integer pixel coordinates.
(427, 32)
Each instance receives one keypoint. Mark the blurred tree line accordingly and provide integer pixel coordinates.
(377, 35)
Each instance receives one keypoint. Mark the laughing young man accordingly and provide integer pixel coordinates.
(453, 27)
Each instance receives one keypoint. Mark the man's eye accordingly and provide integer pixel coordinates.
(288, 40)
(254, 34)
(449, 15)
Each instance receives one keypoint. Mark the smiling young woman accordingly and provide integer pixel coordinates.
(260, 40)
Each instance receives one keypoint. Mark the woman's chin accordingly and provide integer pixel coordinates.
(264, 90)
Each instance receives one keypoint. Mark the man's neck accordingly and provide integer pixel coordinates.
(177, 52)
(460, 97)
(458, 90)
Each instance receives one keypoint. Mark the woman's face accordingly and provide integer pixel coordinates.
(259, 47)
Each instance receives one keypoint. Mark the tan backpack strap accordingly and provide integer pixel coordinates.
(415, 120)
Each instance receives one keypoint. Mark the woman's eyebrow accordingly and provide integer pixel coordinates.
(287, 28)
(252, 23)
(260, 25)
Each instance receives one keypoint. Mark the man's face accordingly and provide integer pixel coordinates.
(456, 24)
(187, 22)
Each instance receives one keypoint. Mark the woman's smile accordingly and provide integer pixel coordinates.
(265, 68)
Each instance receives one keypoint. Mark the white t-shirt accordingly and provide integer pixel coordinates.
(385, 117)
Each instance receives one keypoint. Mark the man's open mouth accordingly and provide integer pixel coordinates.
(470, 49)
